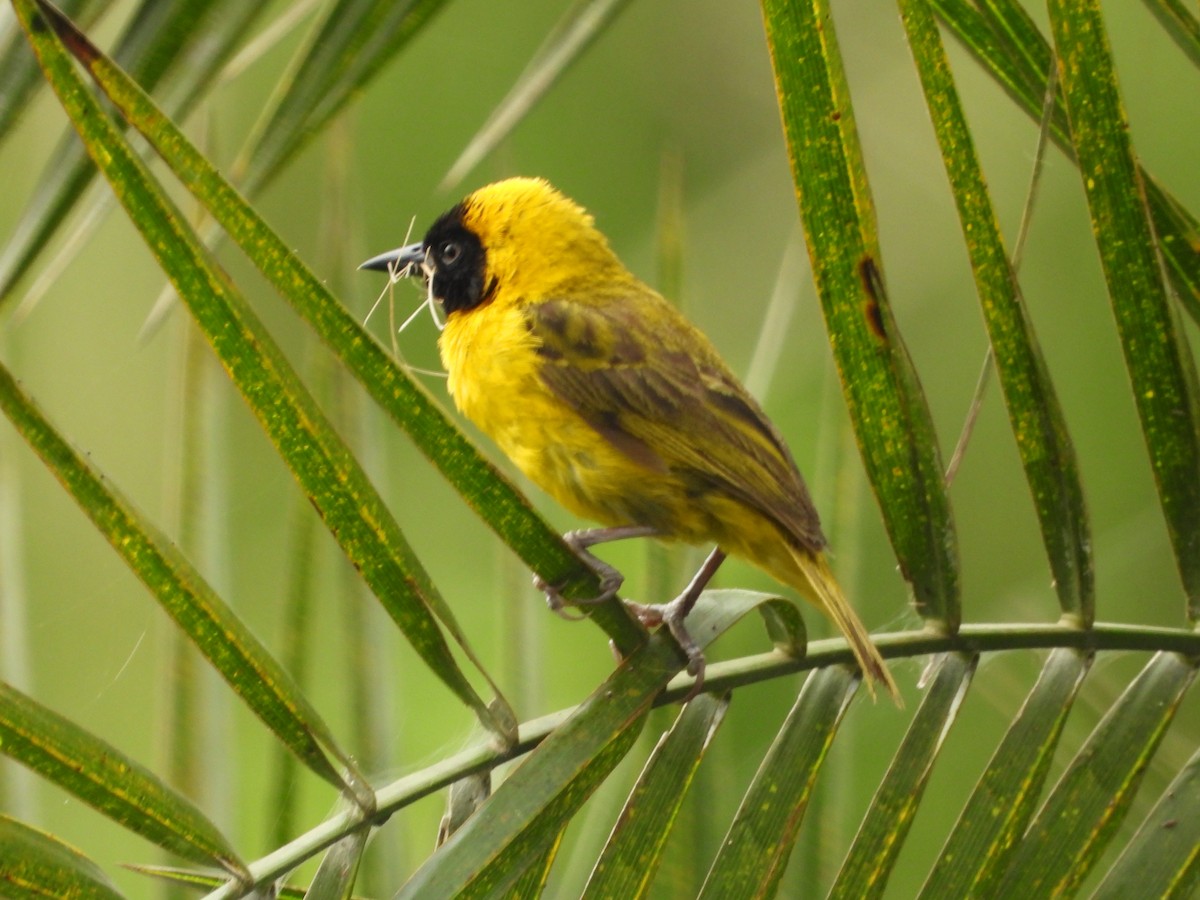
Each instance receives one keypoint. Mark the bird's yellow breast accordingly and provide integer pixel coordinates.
(495, 379)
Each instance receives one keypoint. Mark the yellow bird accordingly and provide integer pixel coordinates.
(603, 394)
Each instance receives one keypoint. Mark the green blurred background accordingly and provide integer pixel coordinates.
(675, 99)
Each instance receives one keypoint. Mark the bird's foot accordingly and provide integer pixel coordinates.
(555, 600)
(674, 615)
(610, 578)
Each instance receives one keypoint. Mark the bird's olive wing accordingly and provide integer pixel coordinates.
(654, 388)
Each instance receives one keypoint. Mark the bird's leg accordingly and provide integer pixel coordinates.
(673, 614)
(610, 578)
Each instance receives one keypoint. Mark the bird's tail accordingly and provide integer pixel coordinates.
(823, 588)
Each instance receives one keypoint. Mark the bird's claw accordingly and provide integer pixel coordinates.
(673, 615)
(670, 614)
(554, 598)
(610, 583)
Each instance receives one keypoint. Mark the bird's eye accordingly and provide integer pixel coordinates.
(449, 253)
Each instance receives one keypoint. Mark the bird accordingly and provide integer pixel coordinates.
(604, 395)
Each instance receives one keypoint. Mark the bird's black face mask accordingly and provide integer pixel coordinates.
(451, 259)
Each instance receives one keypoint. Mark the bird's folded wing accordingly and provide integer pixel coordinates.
(656, 390)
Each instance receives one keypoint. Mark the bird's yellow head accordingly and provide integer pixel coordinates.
(513, 241)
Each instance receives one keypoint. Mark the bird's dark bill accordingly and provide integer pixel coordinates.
(409, 257)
